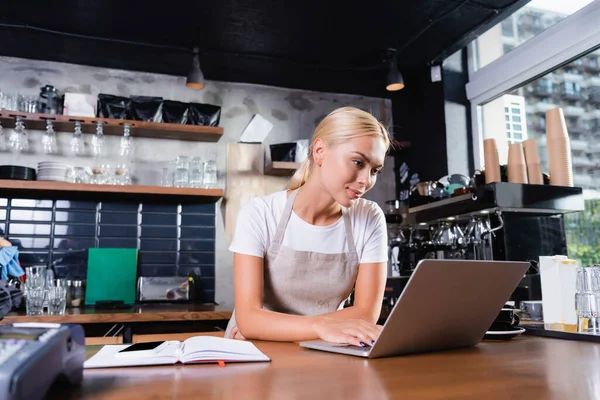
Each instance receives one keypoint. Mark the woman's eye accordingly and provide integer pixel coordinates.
(358, 162)
(376, 171)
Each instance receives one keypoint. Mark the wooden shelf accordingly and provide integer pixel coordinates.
(40, 189)
(281, 168)
(139, 313)
(66, 123)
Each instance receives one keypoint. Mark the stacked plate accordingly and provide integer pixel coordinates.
(17, 172)
(52, 171)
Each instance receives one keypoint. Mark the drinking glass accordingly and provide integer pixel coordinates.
(182, 172)
(57, 300)
(28, 104)
(587, 299)
(78, 175)
(35, 300)
(166, 177)
(210, 171)
(35, 277)
(122, 175)
(196, 172)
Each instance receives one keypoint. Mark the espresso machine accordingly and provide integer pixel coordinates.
(499, 221)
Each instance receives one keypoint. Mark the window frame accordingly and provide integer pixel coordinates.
(541, 54)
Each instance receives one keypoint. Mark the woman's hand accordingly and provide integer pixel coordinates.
(348, 331)
(235, 334)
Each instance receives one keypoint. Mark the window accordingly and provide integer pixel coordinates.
(536, 107)
(529, 21)
(561, 58)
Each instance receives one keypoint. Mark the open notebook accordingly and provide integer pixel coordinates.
(197, 349)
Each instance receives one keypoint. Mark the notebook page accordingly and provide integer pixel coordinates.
(215, 348)
(109, 356)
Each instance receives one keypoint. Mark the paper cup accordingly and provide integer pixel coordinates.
(517, 170)
(555, 123)
(559, 161)
(492, 163)
(534, 174)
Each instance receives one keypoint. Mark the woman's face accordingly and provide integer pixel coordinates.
(348, 170)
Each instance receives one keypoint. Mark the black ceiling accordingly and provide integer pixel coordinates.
(326, 45)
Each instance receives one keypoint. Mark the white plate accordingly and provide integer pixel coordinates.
(503, 335)
(515, 332)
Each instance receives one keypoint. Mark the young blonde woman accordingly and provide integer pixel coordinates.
(299, 253)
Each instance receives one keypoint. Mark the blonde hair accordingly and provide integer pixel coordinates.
(339, 126)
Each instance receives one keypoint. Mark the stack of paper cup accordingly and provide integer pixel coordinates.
(517, 170)
(492, 163)
(559, 149)
(532, 159)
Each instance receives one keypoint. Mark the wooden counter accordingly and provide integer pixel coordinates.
(140, 313)
(524, 367)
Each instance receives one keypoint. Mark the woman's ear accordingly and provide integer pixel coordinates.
(318, 151)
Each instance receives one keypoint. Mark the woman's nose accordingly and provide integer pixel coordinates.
(364, 178)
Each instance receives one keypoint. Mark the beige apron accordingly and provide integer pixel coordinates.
(305, 282)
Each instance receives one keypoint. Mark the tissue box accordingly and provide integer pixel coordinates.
(558, 275)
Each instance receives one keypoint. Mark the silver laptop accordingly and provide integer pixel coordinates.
(446, 304)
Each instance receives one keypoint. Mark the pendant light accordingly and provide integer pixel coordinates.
(395, 81)
(195, 78)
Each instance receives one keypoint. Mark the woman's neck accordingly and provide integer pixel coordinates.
(315, 206)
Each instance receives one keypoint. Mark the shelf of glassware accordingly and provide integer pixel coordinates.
(66, 123)
(65, 190)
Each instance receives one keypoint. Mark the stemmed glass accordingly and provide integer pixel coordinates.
(126, 148)
(76, 144)
(18, 140)
(49, 139)
(98, 141)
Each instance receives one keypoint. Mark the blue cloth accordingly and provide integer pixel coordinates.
(9, 262)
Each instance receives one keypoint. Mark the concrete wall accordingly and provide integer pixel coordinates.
(294, 114)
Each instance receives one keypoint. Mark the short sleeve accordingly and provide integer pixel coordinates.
(250, 233)
(376, 240)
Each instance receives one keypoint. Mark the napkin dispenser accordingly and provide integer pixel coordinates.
(170, 289)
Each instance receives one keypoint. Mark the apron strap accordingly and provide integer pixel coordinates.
(348, 227)
(285, 216)
(287, 212)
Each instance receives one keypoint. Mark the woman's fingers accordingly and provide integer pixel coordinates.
(235, 334)
(234, 331)
(360, 334)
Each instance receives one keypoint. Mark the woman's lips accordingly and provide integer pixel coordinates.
(354, 194)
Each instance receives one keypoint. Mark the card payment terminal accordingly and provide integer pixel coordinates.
(35, 355)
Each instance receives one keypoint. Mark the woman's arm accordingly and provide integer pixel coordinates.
(351, 325)
(368, 294)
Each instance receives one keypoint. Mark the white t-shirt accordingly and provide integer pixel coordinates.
(258, 218)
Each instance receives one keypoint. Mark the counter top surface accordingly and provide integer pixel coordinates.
(524, 367)
(139, 313)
